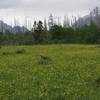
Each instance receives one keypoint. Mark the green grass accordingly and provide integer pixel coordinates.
(73, 73)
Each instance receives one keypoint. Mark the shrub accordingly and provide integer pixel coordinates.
(22, 51)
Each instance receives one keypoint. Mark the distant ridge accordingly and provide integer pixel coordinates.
(92, 17)
(8, 28)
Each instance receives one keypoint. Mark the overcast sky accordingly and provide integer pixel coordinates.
(42, 8)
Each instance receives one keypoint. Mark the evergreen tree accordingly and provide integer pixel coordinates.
(38, 31)
(45, 25)
(50, 21)
(66, 23)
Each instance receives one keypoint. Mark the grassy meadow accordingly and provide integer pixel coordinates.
(64, 72)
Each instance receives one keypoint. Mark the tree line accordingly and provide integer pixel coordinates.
(74, 31)
(57, 34)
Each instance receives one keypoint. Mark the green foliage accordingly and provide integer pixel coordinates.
(57, 32)
(38, 32)
(84, 34)
(88, 34)
(17, 39)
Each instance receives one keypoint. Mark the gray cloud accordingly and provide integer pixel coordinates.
(45, 7)
(38, 9)
(5, 4)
